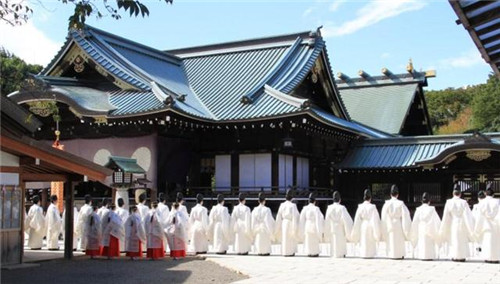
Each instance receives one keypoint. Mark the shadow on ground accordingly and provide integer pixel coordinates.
(84, 270)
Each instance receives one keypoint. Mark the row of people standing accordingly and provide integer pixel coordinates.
(39, 225)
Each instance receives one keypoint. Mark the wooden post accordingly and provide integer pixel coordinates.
(68, 221)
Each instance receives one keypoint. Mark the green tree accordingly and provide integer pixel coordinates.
(17, 12)
(13, 70)
(446, 105)
(486, 106)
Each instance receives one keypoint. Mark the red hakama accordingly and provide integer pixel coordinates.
(156, 253)
(93, 252)
(135, 253)
(178, 253)
(113, 250)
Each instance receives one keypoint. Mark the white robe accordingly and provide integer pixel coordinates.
(54, 226)
(219, 221)
(102, 211)
(93, 233)
(163, 213)
(198, 222)
(134, 232)
(366, 229)
(177, 232)
(142, 210)
(241, 226)
(35, 226)
(396, 225)
(263, 229)
(457, 227)
(154, 230)
(75, 223)
(424, 232)
(112, 225)
(81, 226)
(123, 214)
(311, 228)
(487, 228)
(338, 227)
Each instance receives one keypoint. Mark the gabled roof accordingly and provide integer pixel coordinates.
(381, 102)
(409, 152)
(126, 165)
(481, 19)
(244, 80)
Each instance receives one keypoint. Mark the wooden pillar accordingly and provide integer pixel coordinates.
(57, 188)
(44, 201)
(68, 221)
(275, 178)
(235, 173)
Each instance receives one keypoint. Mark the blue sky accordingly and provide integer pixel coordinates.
(366, 35)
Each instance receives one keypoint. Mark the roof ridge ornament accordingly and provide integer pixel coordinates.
(294, 101)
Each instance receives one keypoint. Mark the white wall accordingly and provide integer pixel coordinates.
(255, 171)
(8, 160)
(222, 171)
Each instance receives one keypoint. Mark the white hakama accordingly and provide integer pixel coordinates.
(219, 228)
(35, 227)
(81, 226)
(366, 229)
(311, 228)
(198, 223)
(54, 227)
(241, 225)
(338, 227)
(396, 225)
(424, 232)
(263, 229)
(287, 226)
(487, 228)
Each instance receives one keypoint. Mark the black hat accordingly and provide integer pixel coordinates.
(242, 196)
(336, 196)
(425, 197)
(367, 194)
(180, 197)
(53, 198)
(120, 202)
(262, 197)
(394, 190)
(199, 197)
(312, 197)
(161, 196)
(481, 194)
(220, 198)
(36, 199)
(88, 198)
(289, 193)
(456, 189)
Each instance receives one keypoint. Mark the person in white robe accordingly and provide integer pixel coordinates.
(366, 227)
(35, 225)
(487, 228)
(135, 236)
(142, 207)
(476, 215)
(396, 225)
(104, 208)
(93, 234)
(54, 224)
(311, 227)
(83, 217)
(457, 226)
(123, 214)
(75, 222)
(177, 232)
(182, 207)
(219, 221)
(198, 222)
(338, 227)
(424, 233)
(163, 213)
(262, 227)
(287, 225)
(154, 233)
(113, 232)
(241, 225)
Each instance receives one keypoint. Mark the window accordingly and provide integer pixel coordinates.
(223, 172)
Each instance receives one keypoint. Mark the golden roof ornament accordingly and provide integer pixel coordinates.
(409, 67)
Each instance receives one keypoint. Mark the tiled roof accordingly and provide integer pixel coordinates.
(127, 165)
(234, 81)
(399, 152)
(382, 107)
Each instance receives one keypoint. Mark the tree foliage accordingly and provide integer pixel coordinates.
(466, 109)
(13, 70)
(17, 13)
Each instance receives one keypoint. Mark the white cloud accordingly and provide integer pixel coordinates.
(28, 43)
(372, 13)
(385, 55)
(336, 4)
(308, 11)
(465, 60)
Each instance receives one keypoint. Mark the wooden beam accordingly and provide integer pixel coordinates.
(7, 169)
(67, 164)
(42, 177)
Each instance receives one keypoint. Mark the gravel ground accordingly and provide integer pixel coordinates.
(85, 270)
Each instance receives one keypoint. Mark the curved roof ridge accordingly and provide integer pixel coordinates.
(296, 102)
